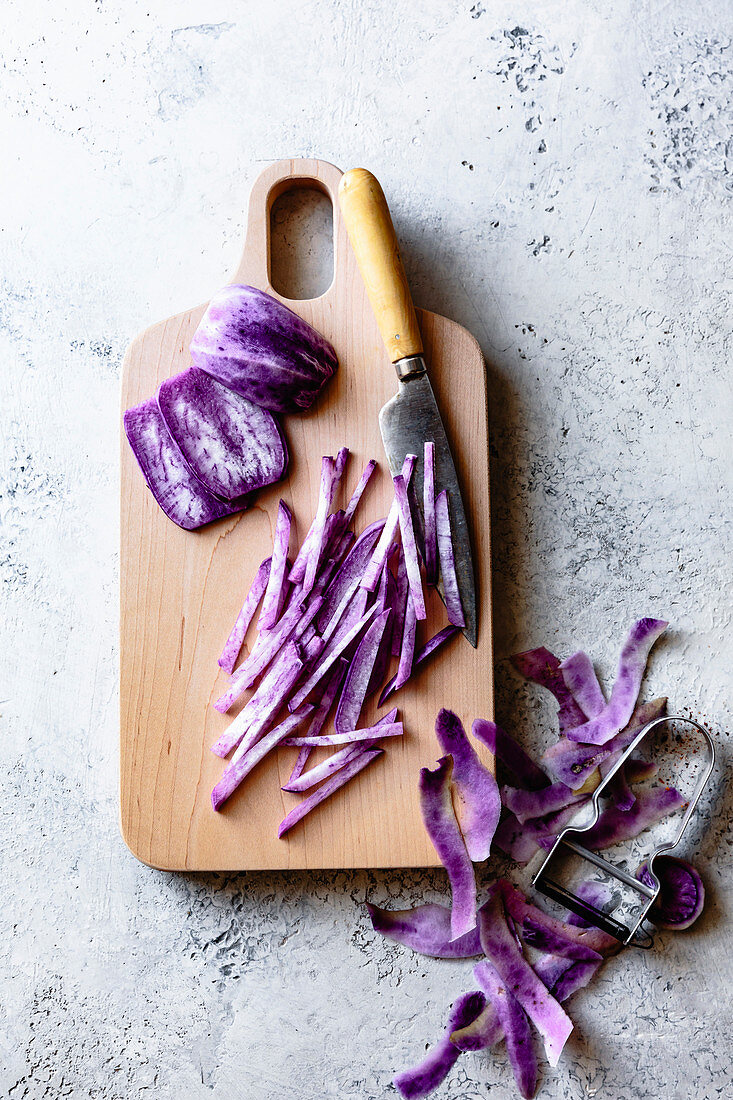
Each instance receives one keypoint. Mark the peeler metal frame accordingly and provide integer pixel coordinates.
(636, 935)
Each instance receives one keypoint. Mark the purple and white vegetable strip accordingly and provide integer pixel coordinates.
(399, 606)
(303, 781)
(409, 547)
(589, 943)
(476, 798)
(431, 543)
(370, 578)
(511, 754)
(347, 737)
(427, 929)
(521, 842)
(320, 715)
(337, 645)
(436, 806)
(615, 825)
(359, 490)
(270, 697)
(289, 659)
(501, 949)
(543, 668)
(451, 591)
(346, 581)
(431, 646)
(530, 804)
(407, 652)
(514, 1024)
(276, 580)
(234, 642)
(423, 1078)
(333, 784)
(360, 671)
(240, 767)
(582, 683)
(617, 712)
(328, 481)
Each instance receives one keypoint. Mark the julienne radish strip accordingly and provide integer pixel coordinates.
(346, 581)
(340, 465)
(407, 652)
(275, 584)
(305, 780)
(431, 544)
(261, 699)
(271, 700)
(260, 658)
(432, 646)
(240, 767)
(234, 642)
(582, 683)
(370, 579)
(442, 827)
(448, 562)
(320, 715)
(348, 737)
(409, 547)
(355, 688)
(359, 490)
(399, 606)
(328, 481)
(333, 784)
(336, 647)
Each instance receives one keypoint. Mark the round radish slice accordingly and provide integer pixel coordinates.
(681, 895)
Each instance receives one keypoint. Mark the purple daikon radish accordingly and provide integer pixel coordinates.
(320, 715)
(348, 737)
(431, 646)
(572, 762)
(346, 580)
(359, 490)
(332, 784)
(337, 645)
(617, 712)
(399, 606)
(260, 658)
(305, 780)
(255, 345)
(234, 642)
(355, 687)
(384, 653)
(427, 929)
(515, 1025)
(451, 592)
(543, 667)
(371, 574)
(582, 683)
(241, 766)
(572, 942)
(232, 446)
(528, 804)
(442, 827)
(168, 476)
(258, 709)
(475, 794)
(409, 547)
(407, 652)
(422, 1079)
(501, 949)
(276, 582)
(431, 544)
(511, 754)
(325, 496)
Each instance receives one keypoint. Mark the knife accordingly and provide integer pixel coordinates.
(411, 418)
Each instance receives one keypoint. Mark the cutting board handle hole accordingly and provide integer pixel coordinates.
(301, 242)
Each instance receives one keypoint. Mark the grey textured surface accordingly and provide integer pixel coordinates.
(561, 175)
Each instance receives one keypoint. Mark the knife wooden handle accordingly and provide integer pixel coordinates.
(373, 239)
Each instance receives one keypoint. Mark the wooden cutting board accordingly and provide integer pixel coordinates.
(180, 593)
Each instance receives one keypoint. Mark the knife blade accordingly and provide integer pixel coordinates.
(411, 418)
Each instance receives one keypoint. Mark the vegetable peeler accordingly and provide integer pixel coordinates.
(570, 842)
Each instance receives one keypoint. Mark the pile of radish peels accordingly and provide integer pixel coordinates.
(532, 962)
(329, 624)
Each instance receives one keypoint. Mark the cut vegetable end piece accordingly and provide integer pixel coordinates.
(333, 784)
(681, 896)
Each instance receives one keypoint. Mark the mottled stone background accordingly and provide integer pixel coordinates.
(561, 175)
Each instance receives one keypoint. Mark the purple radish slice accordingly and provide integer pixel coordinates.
(303, 781)
(515, 1025)
(442, 827)
(681, 895)
(510, 753)
(168, 476)
(263, 653)
(354, 692)
(446, 555)
(240, 767)
(632, 662)
(332, 784)
(501, 948)
(346, 580)
(370, 577)
(425, 1077)
(359, 490)
(234, 642)
(431, 537)
(407, 652)
(399, 606)
(232, 446)
(582, 683)
(328, 482)
(431, 647)
(475, 794)
(260, 701)
(257, 346)
(340, 642)
(529, 804)
(543, 668)
(427, 929)
(276, 582)
(409, 547)
(348, 737)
